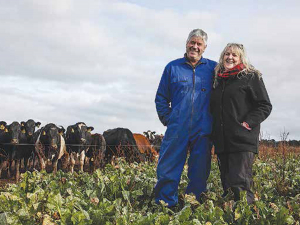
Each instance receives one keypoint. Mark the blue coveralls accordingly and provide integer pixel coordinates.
(182, 104)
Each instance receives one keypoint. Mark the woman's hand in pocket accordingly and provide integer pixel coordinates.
(246, 125)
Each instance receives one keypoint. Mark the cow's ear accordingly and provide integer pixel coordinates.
(61, 130)
(153, 132)
(22, 123)
(38, 124)
(145, 133)
(2, 127)
(90, 129)
(44, 133)
(23, 130)
(6, 130)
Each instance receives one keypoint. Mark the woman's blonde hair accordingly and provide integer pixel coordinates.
(241, 52)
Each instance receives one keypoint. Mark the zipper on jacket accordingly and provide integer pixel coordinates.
(194, 71)
(193, 93)
(194, 87)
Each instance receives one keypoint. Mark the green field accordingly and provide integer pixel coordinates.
(123, 194)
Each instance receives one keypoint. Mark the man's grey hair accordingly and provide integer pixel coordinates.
(197, 33)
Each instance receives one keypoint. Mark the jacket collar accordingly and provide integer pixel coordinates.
(201, 61)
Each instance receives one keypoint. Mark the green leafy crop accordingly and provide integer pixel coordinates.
(123, 194)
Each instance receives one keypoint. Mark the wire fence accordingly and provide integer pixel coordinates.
(79, 145)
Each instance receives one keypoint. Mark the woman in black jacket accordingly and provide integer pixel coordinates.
(239, 103)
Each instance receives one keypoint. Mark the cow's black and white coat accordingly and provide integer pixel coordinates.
(78, 139)
(50, 145)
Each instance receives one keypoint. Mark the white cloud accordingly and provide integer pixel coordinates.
(100, 62)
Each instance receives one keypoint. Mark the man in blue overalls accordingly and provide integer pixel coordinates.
(182, 104)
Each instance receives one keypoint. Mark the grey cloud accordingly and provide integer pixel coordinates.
(101, 61)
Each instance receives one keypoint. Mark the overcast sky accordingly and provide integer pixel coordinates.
(100, 61)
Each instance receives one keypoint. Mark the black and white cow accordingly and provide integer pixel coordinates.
(149, 135)
(50, 145)
(154, 139)
(27, 149)
(78, 139)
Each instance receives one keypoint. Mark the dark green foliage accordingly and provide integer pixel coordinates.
(123, 194)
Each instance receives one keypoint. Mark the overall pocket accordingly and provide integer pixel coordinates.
(172, 126)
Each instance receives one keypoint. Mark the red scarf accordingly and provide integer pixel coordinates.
(232, 72)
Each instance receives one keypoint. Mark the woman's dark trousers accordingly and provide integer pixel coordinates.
(236, 173)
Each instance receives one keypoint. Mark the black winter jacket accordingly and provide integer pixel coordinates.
(235, 100)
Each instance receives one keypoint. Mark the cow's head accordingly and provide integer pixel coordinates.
(79, 133)
(150, 135)
(51, 138)
(13, 132)
(30, 126)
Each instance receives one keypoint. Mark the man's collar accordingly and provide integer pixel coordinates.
(202, 60)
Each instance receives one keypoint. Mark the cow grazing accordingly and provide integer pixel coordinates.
(96, 152)
(50, 145)
(78, 139)
(145, 147)
(27, 150)
(121, 143)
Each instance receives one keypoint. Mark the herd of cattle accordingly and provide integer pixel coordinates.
(53, 146)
